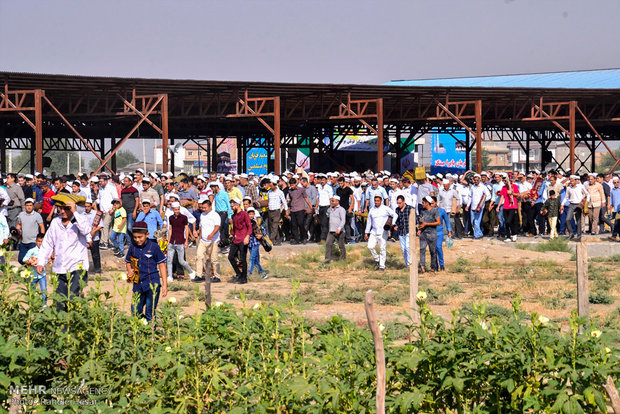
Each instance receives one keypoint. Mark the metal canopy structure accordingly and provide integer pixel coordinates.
(43, 112)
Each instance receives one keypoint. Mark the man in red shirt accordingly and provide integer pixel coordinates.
(242, 228)
(47, 208)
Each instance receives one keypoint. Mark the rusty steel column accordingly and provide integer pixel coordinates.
(478, 137)
(571, 133)
(380, 134)
(38, 131)
(164, 136)
(276, 135)
(3, 166)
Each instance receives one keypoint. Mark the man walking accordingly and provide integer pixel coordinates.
(242, 229)
(16, 194)
(403, 212)
(337, 218)
(375, 232)
(30, 223)
(209, 235)
(221, 203)
(298, 207)
(277, 201)
(479, 193)
(427, 232)
(178, 235)
(325, 193)
(577, 196)
(107, 193)
(66, 240)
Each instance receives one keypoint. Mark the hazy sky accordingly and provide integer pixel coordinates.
(355, 41)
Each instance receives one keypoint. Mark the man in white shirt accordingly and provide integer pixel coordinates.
(577, 196)
(479, 193)
(209, 235)
(325, 194)
(66, 239)
(107, 193)
(375, 233)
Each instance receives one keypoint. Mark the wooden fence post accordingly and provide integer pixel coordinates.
(413, 268)
(582, 280)
(612, 391)
(379, 351)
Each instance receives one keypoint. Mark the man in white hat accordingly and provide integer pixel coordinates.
(337, 218)
(277, 204)
(325, 192)
(248, 187)
(375, 232)
(479, 193)
(30, 223)
(178, 239)
(577, 196)
(107, 192)
(138, 180)
(221, 205)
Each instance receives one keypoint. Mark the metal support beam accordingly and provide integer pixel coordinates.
(460, 112)
(259, 108)
(38, 131)
(164, 136)
(360, 109)
(571, 135)
(143, 117)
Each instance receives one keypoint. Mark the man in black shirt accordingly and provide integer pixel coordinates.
(345, 193)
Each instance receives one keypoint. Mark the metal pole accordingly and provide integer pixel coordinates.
(113, 160)
(164, 134)
(276, 135)
(571, 134)
(478, 137)
(144, 155)
(527, 154)
(380, 134)
(592, 156)
(38, 131)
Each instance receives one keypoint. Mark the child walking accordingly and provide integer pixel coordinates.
(552, 207)
(37, 278)
(254, 246)
(146, 268)
(119, 230)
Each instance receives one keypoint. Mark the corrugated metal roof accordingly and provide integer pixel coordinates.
(586, 79)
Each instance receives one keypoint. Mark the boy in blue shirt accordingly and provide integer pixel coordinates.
(146, 269)
(37, 278)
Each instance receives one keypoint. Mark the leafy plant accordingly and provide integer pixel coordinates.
(271, 359)
(601, 297)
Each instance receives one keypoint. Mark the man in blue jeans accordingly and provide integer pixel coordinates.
(479, 194)
(30, 223)
(403, 212)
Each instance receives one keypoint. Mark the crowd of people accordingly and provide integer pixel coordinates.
(150, 220)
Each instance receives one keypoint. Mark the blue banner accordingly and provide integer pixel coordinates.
(448, 152)
(256, 160)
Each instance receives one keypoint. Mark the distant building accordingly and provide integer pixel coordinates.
(499, 156)
(179, 158)
(196, 159)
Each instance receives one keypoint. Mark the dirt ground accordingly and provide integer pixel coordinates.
(486, 270)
